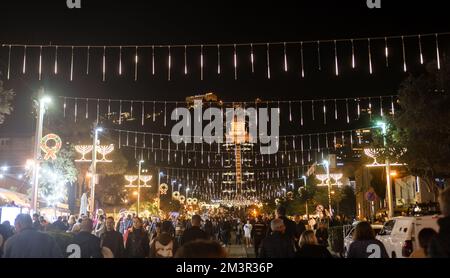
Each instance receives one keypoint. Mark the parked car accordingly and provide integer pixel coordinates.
(348, 239)
(400, 234)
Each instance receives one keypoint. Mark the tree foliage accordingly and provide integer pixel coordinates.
(6, 98)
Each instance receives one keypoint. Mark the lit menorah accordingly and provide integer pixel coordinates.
(376, 153)
(103, 150)
(132, 178)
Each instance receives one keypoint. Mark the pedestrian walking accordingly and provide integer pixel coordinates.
(277, 244)
(310, 248)
(112, 239)
(248, 234)
(137, 242)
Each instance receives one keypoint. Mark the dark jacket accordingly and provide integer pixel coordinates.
(440, 244)
(164, 246)
(89, 245)
(192, 234)
(277, 245)
(367, 249)
(290, 225)
(114, 241)
(30, 243)
(259, 231)
(313, 251)
(299, 229)
(137, 245)
(322, 236)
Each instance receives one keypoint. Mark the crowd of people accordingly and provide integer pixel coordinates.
(199, 237)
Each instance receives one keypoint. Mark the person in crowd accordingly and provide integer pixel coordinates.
(164, 245)
(440, 244)
(89, 244)
(194, 232)
(225, 231)
(77, 226)
(310, 248)
(280, 213)
(239, 230)
(29, 242)
(425, 235)
(36, 222)
(299, 229)
(59, 224)
(112, 239)
(258, 233)
(156, 232)
(137, 243)
(72, 220)
(119, 224)
(9, 229)
(202, 249)
(322, 234)
(277, 244)
(209, 230)
(43, 223)
(248, 234)
(5, 233)
(364, 244)
(100, 228)
(125, 224)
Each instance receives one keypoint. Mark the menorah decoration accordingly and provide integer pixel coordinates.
(175, 195)
(132, 178)
(163, 189)
(322, 178)
(336, 177)
(102, 149)
(376, 153)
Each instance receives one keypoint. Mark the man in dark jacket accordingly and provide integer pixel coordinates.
(440, 244)
(112, 239)
(60, 225)
(36, 222)
(259, 231)
(30, 243)
(289, 224)
(138, 244)
(194, 232)
(277, 244)
(86, 242)
(164, 245)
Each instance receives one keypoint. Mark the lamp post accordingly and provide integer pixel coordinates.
(383, 127)
(139, 186)
(42, 101)
(306, 202)
(94, 166)
(327, 167)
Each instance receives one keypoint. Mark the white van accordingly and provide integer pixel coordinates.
(400, 234)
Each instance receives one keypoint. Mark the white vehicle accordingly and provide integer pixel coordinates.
(400, 234)
(348, 239)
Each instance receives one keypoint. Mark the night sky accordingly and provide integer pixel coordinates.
(104, 22)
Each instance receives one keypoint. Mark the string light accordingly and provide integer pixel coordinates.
(235, 63)
(153, 60)
(9, 63)
(268, 62)
(302, 61)
(185, 60)
(336, 58)
(71, 66)
(120, 60)
(318, 56)
(437, 53)
(136, 60)
(104, 64)
(169, 63)
(353, 54)
(404, 54)
(420, 50)
(285, 58)
(24, 59)
(386, 51)
(201, 62)
(87, 59)
(218, 59)
(370, 56)
(56, 61)
(40, 64)
(252, 58)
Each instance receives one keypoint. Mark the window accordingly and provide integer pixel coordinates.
(387, 228)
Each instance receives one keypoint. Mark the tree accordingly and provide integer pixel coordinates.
(111, 191)
(420, 131)
(347, 205)
(56, 175)
(6, 97)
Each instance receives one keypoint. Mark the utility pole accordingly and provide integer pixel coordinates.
(40, 106)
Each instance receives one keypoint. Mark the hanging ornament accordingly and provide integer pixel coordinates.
(120, 60)
(386, 51)
(252, 58)
(342, 138)
(285, 58)
(346, 108)
(50, 152)
(71, 65)
(370, 56)
(336, 59)
(98, 110)
(420, 50)
(404, 54)
(40, 62)
(437, 53)
(76, 109)
(201, 62)
(353, 54)
(169, 63)
(131, 109)
(185, 60)
(142, 113)
(153, 60)
(104, 64)
(324, 113)
(335, 110)
(24, 64)
(381, 107)
(120, 112)
(120, 139)
(319, 63)
(268, 62)
(290, 112)
(136, 60)
(87, 108)
(312, 109)
(301, 60)
(326, 140)
(351, 139)
(318, 142)
(235, 62)
(301, 113)
(55, 70)
(392, 106)
(64, 108)
(218, 59)
(87, 59)
(154, 112)
(358, 108)
(165, 113)
(370, 109)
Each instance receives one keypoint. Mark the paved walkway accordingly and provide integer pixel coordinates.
(240, 251)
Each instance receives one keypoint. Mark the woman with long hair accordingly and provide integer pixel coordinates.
(364, 244)
(310, 248)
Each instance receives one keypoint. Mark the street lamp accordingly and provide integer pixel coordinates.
(41, 105)
(383, 127)
(306, 201)
(139, 186)
(97, 130)
(327, 167)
